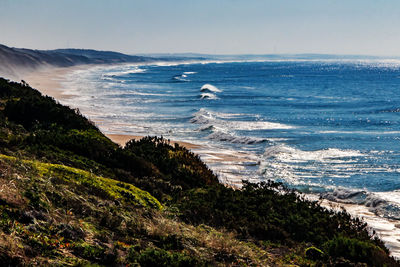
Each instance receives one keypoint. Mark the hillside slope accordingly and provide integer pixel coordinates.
(14, 62)
(70, 196)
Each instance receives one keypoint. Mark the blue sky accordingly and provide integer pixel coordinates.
(370, 27)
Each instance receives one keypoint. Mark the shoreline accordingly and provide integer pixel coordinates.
(388, 230)
(49, 81)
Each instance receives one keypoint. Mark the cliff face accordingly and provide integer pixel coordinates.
(14, 62)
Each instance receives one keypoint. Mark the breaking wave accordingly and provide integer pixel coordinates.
(123, 73)
(223, 128)
(181, 78)
(219, 119)
(311, 171)
(210, 88)
(289, 154)
(228, 137)
(373, 201)
(208, 96)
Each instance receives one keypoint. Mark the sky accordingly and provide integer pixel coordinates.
(361, 27)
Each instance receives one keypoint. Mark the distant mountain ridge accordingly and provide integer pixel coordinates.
(14, 62)
(102, 56)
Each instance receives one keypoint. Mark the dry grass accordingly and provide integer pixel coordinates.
(149, 228)
(208, 243)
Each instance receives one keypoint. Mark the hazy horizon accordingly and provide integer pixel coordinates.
(226, 27)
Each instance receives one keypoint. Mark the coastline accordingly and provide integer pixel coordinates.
(388, 230)
(49, 81)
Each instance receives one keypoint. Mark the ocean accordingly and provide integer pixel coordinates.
(328, 128)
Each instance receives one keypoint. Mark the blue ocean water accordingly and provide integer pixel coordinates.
(330, 128)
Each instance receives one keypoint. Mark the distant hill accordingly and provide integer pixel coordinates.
(14, 62)
(96, 56)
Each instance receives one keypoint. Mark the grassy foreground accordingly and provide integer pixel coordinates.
(70, 196)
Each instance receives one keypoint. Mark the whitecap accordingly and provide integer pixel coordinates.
(379, 203)
(210, 87)
(219, 119)
(181, 78)
(208, 96)
(232, 138)
(123, 73)
(286, 153)
(296, 166)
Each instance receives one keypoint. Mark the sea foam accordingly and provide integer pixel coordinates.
(123, 73)
(286, 153)
(208, 96)
(218, 119)
(223, 127)
(210, 87)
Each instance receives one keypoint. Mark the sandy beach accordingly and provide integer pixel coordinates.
(48, 80)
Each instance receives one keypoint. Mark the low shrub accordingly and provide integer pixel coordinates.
(356, 250)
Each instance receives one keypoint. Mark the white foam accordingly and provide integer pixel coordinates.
(298, 167)
(123, 73)
(229, 137)
(289, 154)
(181, 78)
(224, 129)
(145, 94)
(208, 96)
(189, 72)
(217, 119)
(392, 196)
(360, 132)
(210, 87)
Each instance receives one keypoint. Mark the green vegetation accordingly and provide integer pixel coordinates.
(70, 196)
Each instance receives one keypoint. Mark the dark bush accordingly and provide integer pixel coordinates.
(356, 250)
(178, 164)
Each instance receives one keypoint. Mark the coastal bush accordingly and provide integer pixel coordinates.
(43, 112)
(9, 89)
(268, 211)
(356, 250)
(178, 164)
